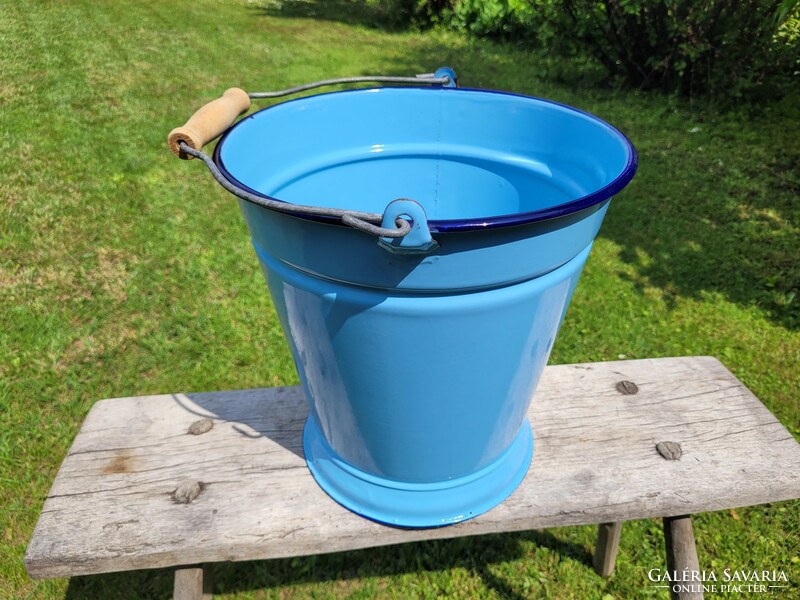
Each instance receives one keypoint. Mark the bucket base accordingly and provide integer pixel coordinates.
(417, 504)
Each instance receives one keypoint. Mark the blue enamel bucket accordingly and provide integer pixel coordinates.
(419, 356)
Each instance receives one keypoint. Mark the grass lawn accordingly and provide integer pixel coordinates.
(124, 271)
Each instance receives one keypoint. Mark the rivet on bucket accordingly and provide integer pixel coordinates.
(418, 240)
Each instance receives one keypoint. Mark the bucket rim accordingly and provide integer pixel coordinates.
(473, 223)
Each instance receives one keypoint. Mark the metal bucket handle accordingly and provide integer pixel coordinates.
(402, 229)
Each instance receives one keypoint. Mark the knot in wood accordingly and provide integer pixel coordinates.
(627, 388)
(669, 450)
(187, 491)
(201, 426)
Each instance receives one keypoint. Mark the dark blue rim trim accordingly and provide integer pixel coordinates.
(478, 223)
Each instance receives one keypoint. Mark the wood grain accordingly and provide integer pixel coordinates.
(209, 121)
(112, 506)
(193, 583)
(606, 549)
(682, 557)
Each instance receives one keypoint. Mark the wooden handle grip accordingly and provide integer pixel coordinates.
(209, 122)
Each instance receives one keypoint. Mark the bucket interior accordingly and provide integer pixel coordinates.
(462, 154)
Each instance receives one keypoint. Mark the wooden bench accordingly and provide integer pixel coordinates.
(187, 480)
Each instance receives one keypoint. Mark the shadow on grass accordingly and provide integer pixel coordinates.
(392, 15)
(379, 15)
(708, 242)
(476, 555)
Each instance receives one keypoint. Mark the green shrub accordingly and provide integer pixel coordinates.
(499, 18)
(408, 13)
(688, 46)
(692, 47)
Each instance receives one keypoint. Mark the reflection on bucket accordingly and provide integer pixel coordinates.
(419, 355)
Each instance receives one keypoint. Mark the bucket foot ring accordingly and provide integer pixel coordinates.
(416, 505)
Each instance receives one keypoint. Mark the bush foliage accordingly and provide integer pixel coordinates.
(688, 46)
(691, 47)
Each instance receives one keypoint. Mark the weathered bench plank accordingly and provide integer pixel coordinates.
(113, 505)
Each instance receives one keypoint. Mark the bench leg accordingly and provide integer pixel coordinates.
(682, 556)
(193, 583)
(605, 553)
